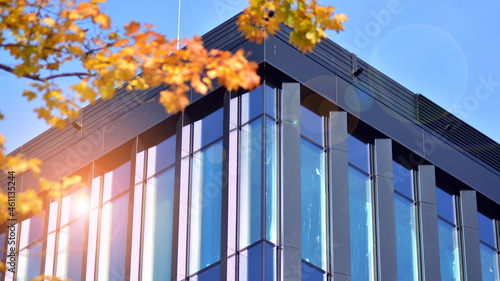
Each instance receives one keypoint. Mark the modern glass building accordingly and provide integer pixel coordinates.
(318, 174)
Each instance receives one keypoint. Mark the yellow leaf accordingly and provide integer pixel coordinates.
(29, 94)
(49, 21)
(103, 20)
(131, 28)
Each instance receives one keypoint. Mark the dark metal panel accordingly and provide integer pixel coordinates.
(384, 211)
(291, 192)
(470, 236)
(132, 123)
(338, 195)
(461, 167)
(428, 225)
(225, 188)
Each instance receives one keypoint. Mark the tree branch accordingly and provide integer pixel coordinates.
(43, 79)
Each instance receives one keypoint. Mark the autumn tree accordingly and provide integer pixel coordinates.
(45, 36)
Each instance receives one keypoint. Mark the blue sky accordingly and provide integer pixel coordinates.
(445, 50)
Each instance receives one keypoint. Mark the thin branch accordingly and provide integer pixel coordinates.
(44, 79)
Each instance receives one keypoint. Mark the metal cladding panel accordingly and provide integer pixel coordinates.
(464, 168)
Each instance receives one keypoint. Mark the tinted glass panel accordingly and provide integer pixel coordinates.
(70, 251)
(445, 205)
(489, 263)
(313, 204)
(486, 230)
(251, 263)
(74, 206)
(30, 262)
(406, 239)
(270, 101)
(205, 218)
(250, 183)
(361, 226)
(113, 243)
(251, 104)
(211, 274)
(358, 153)
(310, 273)
(403, 180)
(233, 113)
(270, 262)
(158, 222)
(311, 125)
(448, 251)
(116, 181)
(271, 180)
(207, 129)
(161, 156)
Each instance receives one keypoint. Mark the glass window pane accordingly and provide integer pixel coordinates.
(313, 204)
(70, 250)
(232, 192)
(233, 113)
(205, 209)
(251, 263)
(116, 181)
(361, 224)
(207, 129)
(250, 183)
(270, 101)
(161, 156)
(211, 274)
(251, 104)
(358, 154)
(448, 251)
(271, 180)
(74, 206)
(310, 273)
(403, 180)
(486, 230)
(406, 239)
(158, 226)
(489, 263)
(36, 227)
(311, 125)
(186, 138)
(183, 219)
(446, 205)
(113, 243)
(92, 242)
(270, 265)
(30, 262)
(50, 254)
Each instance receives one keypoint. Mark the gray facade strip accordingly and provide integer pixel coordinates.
(428, 225)
(291, 192)
(470, 236)
(225, 188)
(384, 211)
(338, 196)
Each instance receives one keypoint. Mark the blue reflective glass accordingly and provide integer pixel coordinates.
(251, 263)
(250, 197)
(120, 180)
(310, 273)
(118, 238)
(211, 274)
(313, 204)
(358, 154)
(448, 251)
(207, 129)
(445, 205)
(34, 256)
(36, 227)
(403, 179)
(205, 209)
(271, 180)
(270, 101)
(311, 125)
(75, 249)
(489, 263)
(163, 223)
(361, 226)
(251, 104)
(486, 230)
(406, 239)
(165, 154)
(270, 262)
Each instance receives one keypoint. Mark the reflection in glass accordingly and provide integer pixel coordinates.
(251, 104)
(271, 180)
(113, 242)
(361, 224)
(358, 153)
(445, 205)
(313, 201)
(207, 129)
(158, 226)
(70, 250)
(270, 101)
(310, 273)
(489, 263)
(116, 181)
(161, 156)
(448, 251)
(311, 125)
(406, 242)
(30, 261)
(205, 209)
(403, 180)
(251, 263)
(487, 230)
(250, 183)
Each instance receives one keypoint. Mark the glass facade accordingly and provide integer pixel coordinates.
(360, 211)
(488, 238)
(449, 250)
(406, 232)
